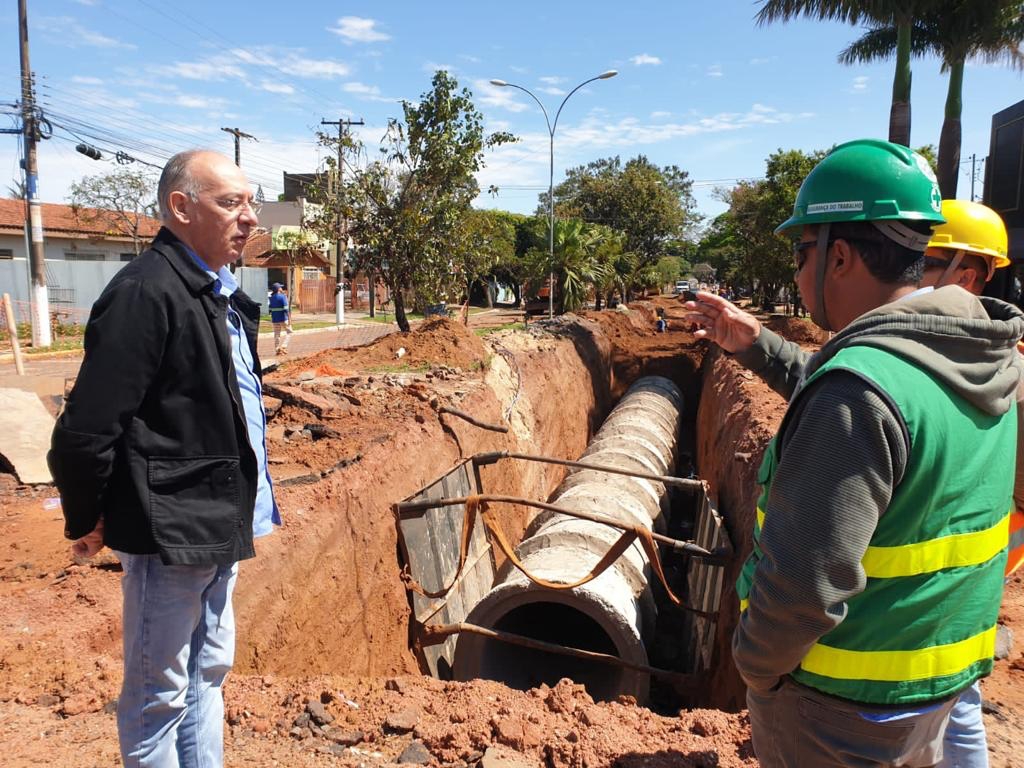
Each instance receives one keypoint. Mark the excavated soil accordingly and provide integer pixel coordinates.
(324, 674)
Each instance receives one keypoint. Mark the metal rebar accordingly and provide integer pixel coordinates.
(490, 457)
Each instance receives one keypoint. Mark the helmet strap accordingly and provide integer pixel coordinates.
(818, 314)
(947, 274)
(903, 235)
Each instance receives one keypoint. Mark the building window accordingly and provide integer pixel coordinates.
(85, 256)
(6, 253)
(310, 273)
(127, 256)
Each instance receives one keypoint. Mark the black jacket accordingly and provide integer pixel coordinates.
(153, 437)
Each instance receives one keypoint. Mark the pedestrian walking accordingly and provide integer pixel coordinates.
(880, 511)
(280, 318)
(160, 455)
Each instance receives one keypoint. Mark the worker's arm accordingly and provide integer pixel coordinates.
(779, 362)
(843, 452)
(124, 343)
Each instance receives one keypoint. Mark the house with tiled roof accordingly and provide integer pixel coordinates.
(83, 249)
(75, 233)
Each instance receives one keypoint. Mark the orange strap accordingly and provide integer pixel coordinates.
(474, 504)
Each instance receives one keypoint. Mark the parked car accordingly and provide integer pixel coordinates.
(681, 285)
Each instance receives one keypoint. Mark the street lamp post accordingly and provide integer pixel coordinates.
(551, 170)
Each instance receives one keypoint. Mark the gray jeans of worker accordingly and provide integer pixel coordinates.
(795, 726)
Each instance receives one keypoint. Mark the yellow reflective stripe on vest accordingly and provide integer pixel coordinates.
(760, 518)
(896, 666)
(955, 551)
(743, 604)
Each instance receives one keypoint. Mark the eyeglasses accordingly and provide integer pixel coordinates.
(234, 204)
(800, 251)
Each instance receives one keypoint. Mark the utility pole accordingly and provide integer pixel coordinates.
(239, 135)
(339, 300)
(36, 255)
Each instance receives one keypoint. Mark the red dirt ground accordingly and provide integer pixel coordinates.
(322, 614)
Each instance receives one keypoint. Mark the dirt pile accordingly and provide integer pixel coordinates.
(436, 341)
(798, 329)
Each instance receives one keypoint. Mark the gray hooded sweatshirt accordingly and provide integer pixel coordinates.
(844, 450)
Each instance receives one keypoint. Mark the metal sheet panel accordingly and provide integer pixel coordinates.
(705, 582)
(431, 550)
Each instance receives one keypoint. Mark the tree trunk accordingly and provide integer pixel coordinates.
(597, 300)
(899, 113)
(949, 139)
(400, 318)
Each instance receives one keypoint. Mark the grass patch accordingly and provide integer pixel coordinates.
(60, 344)
(496, 328)
(298, 325)
(399, 368)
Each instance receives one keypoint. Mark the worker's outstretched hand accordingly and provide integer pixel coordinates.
(722, 322)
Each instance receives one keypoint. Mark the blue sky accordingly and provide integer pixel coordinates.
(699, 85)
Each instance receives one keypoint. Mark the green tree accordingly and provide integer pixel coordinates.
(652, 206)
(756, 208)
(405, 209)
(484, 243)
(577, 264)
(959, 30)
(294, 243)
(898, 14)
(119, 202)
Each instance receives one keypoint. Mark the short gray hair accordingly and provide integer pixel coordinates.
(177, 177)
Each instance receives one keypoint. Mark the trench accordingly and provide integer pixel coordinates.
(328, 598)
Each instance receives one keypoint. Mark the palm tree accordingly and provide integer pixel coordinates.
(992, 30)
(899, 14)
(575, 265)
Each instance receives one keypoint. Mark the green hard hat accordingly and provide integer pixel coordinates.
(868, 180)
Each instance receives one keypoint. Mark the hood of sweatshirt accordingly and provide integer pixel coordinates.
(967, 342)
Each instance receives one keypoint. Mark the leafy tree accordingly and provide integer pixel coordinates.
(746, 235)
(577, 264)
(405, 209)
(294, 243)
(898, 14)
(118, 201)
(670, 269)
(651, 206)
(959, 30)
(485, 243)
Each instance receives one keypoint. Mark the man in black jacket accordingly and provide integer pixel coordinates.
(160, 454)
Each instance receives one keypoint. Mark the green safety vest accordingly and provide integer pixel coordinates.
(925, 625)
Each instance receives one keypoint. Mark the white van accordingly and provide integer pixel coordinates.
(681, 285)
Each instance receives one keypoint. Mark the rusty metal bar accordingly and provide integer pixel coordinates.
(406, 509)
(434, 635)
(491, 457)
(474, 421)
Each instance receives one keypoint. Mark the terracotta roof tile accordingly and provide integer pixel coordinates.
(65, 220)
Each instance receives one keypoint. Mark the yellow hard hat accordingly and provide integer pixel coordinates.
(974, 228)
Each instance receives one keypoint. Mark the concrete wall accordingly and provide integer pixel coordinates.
(75, 285)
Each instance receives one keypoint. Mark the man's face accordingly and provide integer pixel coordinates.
(971, 273)
(218, 222)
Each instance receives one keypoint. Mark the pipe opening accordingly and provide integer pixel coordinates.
(558, 623)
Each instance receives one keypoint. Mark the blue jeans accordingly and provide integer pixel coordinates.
(964, 745)
(179, 644)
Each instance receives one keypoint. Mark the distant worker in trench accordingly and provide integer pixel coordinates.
(869, 602)
(160, 455)
(966, 251)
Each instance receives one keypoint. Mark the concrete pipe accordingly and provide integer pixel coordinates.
(611, 614)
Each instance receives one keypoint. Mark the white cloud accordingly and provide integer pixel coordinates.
(497, 96)
(196, 102)
(364, 91)
(715, 70)
(758, 61)
(283, 88)
(644, 58)
(72, 34)
(550, 80)
(88, 3)
(860, 83)
(355, 29)
(324, 69)
(552, 90)
(469, 58)
(660, 115)
(84, 80)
